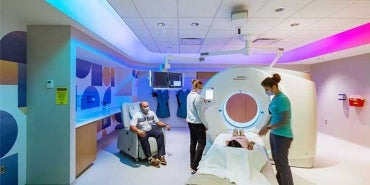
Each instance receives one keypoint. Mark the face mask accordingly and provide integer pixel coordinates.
(269, 93)
(145, 110)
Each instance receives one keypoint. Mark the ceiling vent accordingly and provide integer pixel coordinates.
(265, 41)
(191, 41)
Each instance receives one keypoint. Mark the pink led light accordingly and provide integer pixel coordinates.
(348, 39)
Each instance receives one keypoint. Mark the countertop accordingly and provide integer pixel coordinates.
(83, 118)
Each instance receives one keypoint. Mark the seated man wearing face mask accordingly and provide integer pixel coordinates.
(142, 123)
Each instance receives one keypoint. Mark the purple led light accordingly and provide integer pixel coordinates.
(348, 39)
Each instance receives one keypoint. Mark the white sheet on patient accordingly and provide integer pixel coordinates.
(239, 165)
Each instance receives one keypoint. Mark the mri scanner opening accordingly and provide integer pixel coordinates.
(241, 110)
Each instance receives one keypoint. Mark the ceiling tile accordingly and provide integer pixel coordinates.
(335, 24)
(261, 25)
(234, 44)
(196, 8)
(145, 37)
(192, 33)
(189, 48)
(224, 34)
(157, 8)
(135, 23)
(124, 8)
(322, 8)
(204, 23)
(360, 9)
(168, 47)
(303, 23)
(210, 48)
(222, 23)
(216, 42)
(165, 35)
(152, 23)
(291, 6)
(278, 34)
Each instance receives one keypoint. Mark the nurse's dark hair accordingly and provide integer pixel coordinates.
(234, 143)
(196, 83)
(271, 81)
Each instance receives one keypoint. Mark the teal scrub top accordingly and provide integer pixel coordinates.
(280, 103)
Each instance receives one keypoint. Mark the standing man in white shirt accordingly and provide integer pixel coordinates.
(197, 124)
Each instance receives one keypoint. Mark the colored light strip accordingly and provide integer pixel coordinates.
(348, 39)
(99, 17)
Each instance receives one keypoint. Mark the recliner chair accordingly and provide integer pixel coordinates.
(128, 141)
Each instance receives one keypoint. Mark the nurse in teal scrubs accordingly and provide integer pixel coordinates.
(281, 135)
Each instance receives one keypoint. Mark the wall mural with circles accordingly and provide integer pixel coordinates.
(100, 87)
(13, 62)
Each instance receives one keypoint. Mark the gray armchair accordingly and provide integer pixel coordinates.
(128, 141)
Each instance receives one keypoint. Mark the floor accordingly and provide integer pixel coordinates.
(337, 163)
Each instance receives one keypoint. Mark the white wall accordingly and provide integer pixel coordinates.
(336, 117)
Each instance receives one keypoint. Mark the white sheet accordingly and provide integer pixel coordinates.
(239, 165)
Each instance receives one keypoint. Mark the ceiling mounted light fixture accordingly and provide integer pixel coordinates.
(279, 9)
(294, 24)
(161, 24)
(194, 24)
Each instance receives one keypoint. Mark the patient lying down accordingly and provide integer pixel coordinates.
(239, 140)
(241, 162)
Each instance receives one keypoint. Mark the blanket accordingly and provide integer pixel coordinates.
(239, 165)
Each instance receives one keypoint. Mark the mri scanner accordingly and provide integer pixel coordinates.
(236, 99)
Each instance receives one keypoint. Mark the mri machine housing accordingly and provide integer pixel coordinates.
(236, 83)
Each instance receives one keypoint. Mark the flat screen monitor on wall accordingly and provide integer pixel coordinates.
(159, 80)
(166, 80)
(175, 80)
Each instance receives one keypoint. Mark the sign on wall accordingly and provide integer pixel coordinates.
(61, 96)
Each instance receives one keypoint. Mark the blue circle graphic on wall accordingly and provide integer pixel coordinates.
(9, 132)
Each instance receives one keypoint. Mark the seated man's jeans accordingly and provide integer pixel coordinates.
(157, 133)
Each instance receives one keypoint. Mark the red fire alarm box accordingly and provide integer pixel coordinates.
(356, 101)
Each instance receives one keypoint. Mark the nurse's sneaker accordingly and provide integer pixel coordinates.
(193, 171)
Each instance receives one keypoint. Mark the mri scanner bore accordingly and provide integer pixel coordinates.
(241, 110)
(235, 99)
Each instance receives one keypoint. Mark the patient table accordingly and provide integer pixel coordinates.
(225, 165)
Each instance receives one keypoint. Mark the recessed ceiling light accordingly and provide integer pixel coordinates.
(279, 9)
(161, 24)
(294, 24)
(194, 24)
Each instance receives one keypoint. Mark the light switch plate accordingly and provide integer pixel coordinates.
(49, 84)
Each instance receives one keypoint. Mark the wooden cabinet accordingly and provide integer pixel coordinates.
(86, 146)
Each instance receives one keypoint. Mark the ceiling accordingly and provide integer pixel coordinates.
(316, 19)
